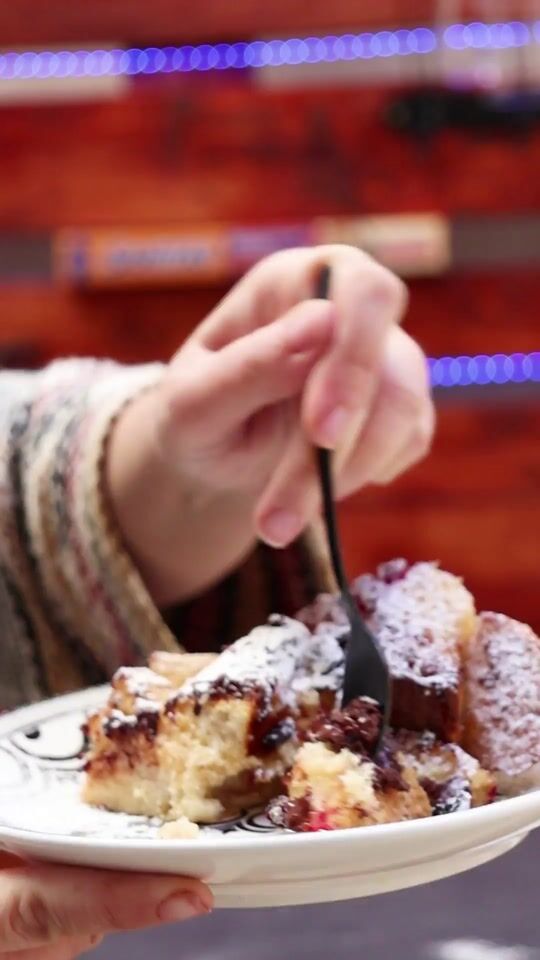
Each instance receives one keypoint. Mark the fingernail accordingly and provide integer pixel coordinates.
(332, 427)
(183, 906)
(281, 527)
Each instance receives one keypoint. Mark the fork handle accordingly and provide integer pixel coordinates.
(324, 459)
(329, 508)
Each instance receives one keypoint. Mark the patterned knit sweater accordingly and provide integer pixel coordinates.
(73, 607)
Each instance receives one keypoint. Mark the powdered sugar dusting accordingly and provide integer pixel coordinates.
(503, 693)
(418, 619)
(60, 812)
(282, 656)
(118, 720)
(137, 680)
(136, 691)
(445, 759)
(447, 767)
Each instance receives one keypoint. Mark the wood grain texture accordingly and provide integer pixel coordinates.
(473, 505)
(136, 21)
(175, 152)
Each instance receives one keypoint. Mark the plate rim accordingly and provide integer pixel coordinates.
(424, 827)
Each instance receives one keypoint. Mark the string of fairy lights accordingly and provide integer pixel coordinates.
(256, 54)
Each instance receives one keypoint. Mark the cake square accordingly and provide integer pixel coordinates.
(423, 617)
(502, 701)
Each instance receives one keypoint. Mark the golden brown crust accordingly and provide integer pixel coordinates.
(182, 758)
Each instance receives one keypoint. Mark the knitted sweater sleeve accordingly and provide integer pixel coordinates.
(73, 607)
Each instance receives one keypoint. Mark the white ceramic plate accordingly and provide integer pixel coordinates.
(248, 863)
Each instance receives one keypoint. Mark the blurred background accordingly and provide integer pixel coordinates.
(150, 152)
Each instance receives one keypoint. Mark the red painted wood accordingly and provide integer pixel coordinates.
(21, 22)
(464, 314)
(187, 153)
(473, 505)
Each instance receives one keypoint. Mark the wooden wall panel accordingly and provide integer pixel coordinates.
(177, 153)
(137, 21)
(473, 505)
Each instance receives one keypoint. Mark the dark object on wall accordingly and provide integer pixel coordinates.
(422, 114)
(24, 256)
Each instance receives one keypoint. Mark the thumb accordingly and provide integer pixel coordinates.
(259, 369)
(41, 904)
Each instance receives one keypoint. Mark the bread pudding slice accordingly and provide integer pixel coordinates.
(222, 740)
(200, 738)
(123, 769)
(334, 791)
(452, 779)
(502, 701)
(334, 783)
(422, 617)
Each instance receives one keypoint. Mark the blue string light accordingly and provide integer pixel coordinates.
(135, 61)
(500, 368)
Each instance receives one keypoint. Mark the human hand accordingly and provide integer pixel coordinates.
(270, 373)
(56, 913)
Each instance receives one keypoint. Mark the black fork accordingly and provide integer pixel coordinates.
(366, 669)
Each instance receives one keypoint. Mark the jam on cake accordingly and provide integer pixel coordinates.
(220, 742)
(123, 771)
(336, 783)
